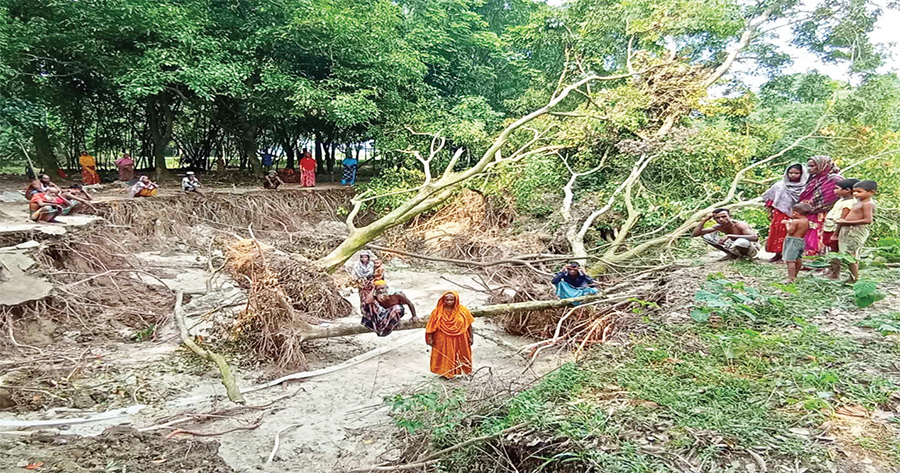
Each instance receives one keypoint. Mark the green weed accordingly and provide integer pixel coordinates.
(885, 324)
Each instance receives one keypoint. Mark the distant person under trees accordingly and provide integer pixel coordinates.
(740, 240)
(307, 170)
(39, 185)
(144, 187)
(190, 183)
(125, 166)
(348, 177)
(89, 175)
(272, 181)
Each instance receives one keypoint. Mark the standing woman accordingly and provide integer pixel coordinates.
(449, 334)
(364, 274)
(349, 176)
(780, 199)
(307, 170)
(89, 174)
(819, 193)
(125, 165)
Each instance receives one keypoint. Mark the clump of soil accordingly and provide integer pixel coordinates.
(116, 449)
(285, 295)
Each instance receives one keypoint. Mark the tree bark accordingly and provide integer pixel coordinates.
(329, 158)
(248, 139)
(161, 117)
(320, 162)
(43, 149)
(314, 332)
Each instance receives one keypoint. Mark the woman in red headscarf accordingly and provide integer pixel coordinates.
(307, 170)
(449, 334)
(819, 193)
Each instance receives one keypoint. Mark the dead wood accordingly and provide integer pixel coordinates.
(234, 394)
(313, 332)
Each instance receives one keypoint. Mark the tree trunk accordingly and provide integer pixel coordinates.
(44, 150)
(320, 163)
(289, 151)
(161, 117)
(329, 157)
(248, 139)
(314, 332)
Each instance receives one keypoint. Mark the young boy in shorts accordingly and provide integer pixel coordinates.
(794, 242)
(843, 189)
(855, 227)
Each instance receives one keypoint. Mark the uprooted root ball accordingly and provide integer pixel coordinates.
(285, 295)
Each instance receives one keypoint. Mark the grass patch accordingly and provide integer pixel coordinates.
(760, 377)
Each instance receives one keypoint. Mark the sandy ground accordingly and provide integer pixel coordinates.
(339, 420)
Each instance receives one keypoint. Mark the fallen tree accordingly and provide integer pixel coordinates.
(313, 332)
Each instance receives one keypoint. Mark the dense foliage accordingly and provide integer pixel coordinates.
(203, 79)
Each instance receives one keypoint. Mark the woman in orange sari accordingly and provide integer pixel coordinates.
(449, 334)
(89, 174)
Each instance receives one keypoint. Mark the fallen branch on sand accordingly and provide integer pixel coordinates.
(278, 442)
(103, 416)
(227, 376)
(434, 457)
(331, 369)
(197, 433)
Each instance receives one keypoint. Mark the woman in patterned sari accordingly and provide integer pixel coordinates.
(89, 174)
(819, 193)
(780, 199)
(307, 170)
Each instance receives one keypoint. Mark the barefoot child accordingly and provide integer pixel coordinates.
(854, 228)
(844, 190)
(794, 242)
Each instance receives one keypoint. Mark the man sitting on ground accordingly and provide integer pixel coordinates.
(382, 310)
(572, 281)
(272, 181)
(39, 186)
(190, 183)
(739, 240)
(46, 206)
(77, 194)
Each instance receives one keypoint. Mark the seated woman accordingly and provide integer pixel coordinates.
(144, 187)
(46, 206)
(572, 281)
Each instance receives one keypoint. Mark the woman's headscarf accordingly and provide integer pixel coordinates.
(453, 320)
(785, 194)
(819, 190)
(364, 271)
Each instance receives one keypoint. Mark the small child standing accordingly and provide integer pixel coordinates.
(854, 228)
(794, 242)
(843, 189)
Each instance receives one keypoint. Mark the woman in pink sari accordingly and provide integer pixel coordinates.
(125, 165)
(819, 193)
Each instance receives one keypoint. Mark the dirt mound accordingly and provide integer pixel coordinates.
(116, 449)
(284, 295)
